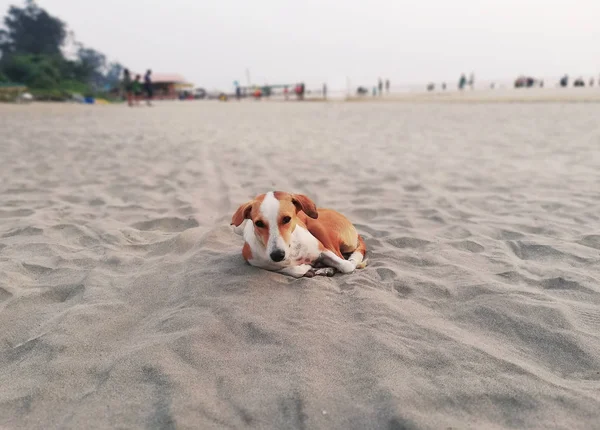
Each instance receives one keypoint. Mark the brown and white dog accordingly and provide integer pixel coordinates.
(286, 233)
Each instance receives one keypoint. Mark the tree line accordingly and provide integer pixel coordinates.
(32, 46)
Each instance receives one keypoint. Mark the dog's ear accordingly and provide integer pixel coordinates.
(305, 204)
(242, 213)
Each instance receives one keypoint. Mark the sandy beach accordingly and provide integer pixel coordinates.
(125, 302)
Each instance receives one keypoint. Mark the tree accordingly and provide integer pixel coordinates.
(91, 65)
(31, 45)
(36, 71)
(113, 76)
(31, 30)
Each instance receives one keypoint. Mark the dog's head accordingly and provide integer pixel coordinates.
(274, 216)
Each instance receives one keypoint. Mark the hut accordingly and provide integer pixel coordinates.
(167, 86)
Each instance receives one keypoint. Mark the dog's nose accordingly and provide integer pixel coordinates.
(277, 255)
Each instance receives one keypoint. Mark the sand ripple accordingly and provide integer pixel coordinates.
(124, 301)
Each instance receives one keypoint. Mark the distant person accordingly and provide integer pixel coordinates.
(472, 80)
(238, 92)
(462, 82)
(286, 92)
(148, 87)
(128, 87)
(387, 86)
(564, 81)
(444, 86)
(374, 91)
(325, 91)
(380, 86)
(542, 83)
(137, 88)
(591, 82)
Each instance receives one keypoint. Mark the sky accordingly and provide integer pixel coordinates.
(212, 43)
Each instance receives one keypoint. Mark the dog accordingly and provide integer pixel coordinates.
(286, 233)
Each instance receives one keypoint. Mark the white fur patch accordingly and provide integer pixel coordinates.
(269, 209)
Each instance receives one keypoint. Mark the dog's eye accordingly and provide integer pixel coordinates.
(259, 224)
(285, 219)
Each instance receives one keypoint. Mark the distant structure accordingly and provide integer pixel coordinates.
(168, 86)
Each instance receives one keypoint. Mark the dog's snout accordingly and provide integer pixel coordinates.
(277, 255)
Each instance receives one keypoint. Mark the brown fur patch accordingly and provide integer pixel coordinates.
(247, 252)
(334, 231)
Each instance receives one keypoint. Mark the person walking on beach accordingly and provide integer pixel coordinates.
(325, 91)
(380, 86)
(128, 87)
(136, 87)
(148, 87)
(462, 82)
(387, 86)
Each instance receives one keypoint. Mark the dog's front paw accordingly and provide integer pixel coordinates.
(347, 266)
(325, 271)
(311, 273)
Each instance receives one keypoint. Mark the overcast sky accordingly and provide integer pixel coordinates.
(212, 42)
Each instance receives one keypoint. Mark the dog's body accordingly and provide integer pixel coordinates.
(288, 234)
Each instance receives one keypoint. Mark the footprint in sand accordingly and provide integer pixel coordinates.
(533, 251)
(563, 284)
(4, 295)
(169, 224)
(408, 242)
(63, 293)
(591, 241)
(468, 245)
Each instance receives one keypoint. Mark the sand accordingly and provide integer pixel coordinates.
(125, 303)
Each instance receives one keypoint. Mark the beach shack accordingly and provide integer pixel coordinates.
(169, 86)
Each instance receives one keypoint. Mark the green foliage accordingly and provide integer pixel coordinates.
(32, 30)
(37, 71)
(31, 53)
